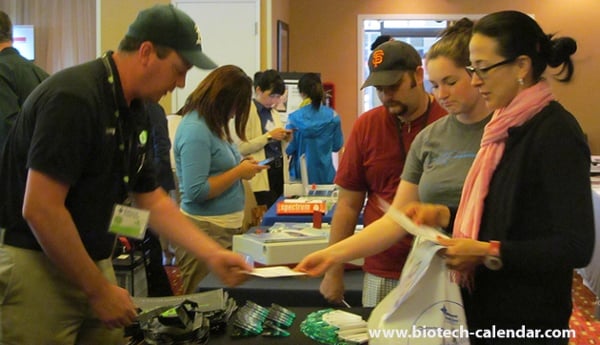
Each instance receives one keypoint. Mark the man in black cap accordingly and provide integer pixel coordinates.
(373, 161)
(18, 77)
(78, 152)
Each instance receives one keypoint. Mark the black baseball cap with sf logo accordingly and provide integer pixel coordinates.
(389, 61)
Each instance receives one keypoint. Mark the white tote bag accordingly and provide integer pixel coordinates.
(425, 308)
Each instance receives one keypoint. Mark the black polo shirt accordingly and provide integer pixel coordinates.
(68, 130)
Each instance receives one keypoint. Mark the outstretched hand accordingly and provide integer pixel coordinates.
(231, 268)
(315, 264)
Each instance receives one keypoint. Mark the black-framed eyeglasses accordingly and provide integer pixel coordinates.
(482, 71)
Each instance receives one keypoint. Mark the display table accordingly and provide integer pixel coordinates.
(271, 217)
(296, 336)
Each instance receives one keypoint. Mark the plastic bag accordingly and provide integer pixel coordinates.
(425, 308)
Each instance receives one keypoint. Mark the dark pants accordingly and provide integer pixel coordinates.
(158, 281)
(269, 197)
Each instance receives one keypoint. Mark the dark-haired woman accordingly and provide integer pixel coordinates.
(209, 166)
(525, 218)
(317, 133)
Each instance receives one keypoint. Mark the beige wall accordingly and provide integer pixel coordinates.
(115, 17)
(323, 37)
(280, 10)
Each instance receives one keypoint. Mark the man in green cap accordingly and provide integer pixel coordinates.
(78, 152)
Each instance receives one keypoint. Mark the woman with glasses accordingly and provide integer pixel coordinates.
(264, 136)
(525, 218)
(209, 166)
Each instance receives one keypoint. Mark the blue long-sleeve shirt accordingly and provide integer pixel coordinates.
(200, 154)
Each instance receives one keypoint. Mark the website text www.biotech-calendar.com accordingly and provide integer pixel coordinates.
(417, 332)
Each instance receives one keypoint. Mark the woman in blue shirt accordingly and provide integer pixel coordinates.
(317, 133)
(209, 166)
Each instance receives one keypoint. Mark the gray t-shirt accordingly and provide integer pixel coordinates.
(440, 157)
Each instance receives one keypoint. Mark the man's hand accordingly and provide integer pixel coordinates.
(113, 306)
(231, 268)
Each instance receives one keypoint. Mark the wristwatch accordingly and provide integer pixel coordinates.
(492, 260)
(269, 136)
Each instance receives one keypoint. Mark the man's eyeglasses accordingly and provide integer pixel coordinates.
(482, 71)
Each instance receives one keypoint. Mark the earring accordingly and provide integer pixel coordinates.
(520, 81)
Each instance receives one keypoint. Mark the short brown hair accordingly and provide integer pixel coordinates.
(130, 44)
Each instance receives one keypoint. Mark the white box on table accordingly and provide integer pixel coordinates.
(283, 252)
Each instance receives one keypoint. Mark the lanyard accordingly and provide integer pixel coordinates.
(128, 178)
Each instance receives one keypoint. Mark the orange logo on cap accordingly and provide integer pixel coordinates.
(377, 57)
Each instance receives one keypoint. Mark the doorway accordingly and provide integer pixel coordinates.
(230, 35)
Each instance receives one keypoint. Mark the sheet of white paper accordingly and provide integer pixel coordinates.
(275, 271)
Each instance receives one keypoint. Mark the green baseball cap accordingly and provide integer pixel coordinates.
(389, 61)
(171, 27)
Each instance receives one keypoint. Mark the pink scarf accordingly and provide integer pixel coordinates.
(522, 108)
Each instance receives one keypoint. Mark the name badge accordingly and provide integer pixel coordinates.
(129, 221)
